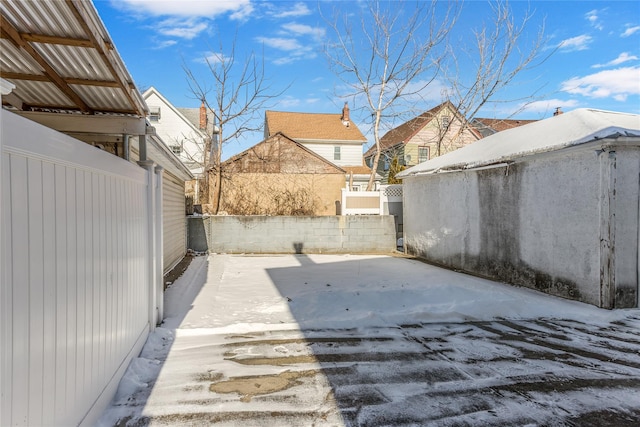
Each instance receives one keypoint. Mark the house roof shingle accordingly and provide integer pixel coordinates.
(490, 126)
(407, 130)
(312, 126)
(555, 133)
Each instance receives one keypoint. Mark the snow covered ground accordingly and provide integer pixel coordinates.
(346, 340)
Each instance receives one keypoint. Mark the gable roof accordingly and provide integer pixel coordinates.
(488, 127)
(303, 151)
(403, 133)
(312, 127)
(194, 126)
(566, 130)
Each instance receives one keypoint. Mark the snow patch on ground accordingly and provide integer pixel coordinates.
(328, 318)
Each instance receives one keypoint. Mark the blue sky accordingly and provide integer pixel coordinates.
(595, 61)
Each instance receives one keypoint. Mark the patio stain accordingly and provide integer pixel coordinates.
(275, 361)
(249, 387)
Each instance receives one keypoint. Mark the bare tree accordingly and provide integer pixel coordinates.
(236, 96)
(393, 57)
(401, 51)
(499, 54)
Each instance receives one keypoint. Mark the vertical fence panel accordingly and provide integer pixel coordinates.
(49, 247)
(6, 293)
(20, 279)
(61, 293)
(36, 291)
(75, 274)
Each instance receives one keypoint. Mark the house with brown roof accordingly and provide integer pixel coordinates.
(488, 127)
(433, 133)
(332, 136)
(280, 176)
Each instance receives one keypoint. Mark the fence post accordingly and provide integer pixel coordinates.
(159, 283)
(151, 244)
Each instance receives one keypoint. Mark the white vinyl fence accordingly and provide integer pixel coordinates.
(78, 264)
(371, 202)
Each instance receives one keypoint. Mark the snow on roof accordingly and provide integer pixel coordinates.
(565, 130)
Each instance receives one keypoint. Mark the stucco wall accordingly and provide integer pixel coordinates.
(294, 234)
(538, 223)
(270, 193)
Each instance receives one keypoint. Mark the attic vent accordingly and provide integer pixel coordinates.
(154, 114)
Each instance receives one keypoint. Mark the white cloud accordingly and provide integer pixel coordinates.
(622, 58)
(289, 102)
(630, 31)
(287, 44)
(165, 44)
(304, 30)
(617, 84)
(575, 43)
(212, 58)
(201, 8)
(548, 106)
(183, 28)
(594, 20)
(299, 9)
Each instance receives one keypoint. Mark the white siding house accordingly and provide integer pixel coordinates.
(552, 205)
(188, 140)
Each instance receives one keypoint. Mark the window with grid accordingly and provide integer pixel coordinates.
(336, 153)
(423, 154)
(154, 114)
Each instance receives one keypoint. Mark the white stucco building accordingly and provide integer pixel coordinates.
(552, 205)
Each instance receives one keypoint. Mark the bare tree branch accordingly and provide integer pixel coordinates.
(391, 53)
(237, 98)
(401, 50)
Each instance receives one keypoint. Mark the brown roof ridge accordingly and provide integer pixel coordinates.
(307, 150)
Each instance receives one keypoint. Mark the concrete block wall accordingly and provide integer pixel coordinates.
(295, 234)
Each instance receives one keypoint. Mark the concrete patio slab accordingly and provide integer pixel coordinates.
(345, 340)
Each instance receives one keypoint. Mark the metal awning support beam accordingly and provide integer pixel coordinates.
(100, 124)
(10, 31)
(104, 49)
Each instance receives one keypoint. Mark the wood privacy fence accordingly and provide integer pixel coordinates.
(80, 285)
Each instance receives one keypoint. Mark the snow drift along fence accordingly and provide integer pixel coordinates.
(77, 263)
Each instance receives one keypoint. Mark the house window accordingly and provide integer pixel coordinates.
(177, 149)
(445, 121)
(154, 114)
(386, 164)
(336, 153)
(423, 154)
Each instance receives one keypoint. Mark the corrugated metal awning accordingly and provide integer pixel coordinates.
(60, 58)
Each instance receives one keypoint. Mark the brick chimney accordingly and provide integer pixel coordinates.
(345, 115)
(558, 111)
(203, 116)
